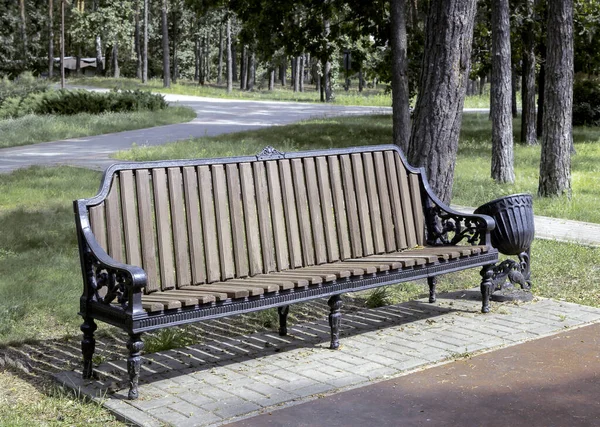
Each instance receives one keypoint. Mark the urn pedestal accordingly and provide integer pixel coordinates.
(512, 236)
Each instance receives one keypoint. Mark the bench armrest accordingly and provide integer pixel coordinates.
(105, 279)
(446, 226)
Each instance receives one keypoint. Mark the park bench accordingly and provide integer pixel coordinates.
(173, 242)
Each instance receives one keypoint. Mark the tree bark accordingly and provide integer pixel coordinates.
(442, 86)
(220, 65)
(283, 72)
(301, 72)
(557, 136)
(165, 46)
(197, 60)
(327, 66)
(251, 71)
(50, 39)
(501, 93)
(244, 69)
(24, 53)
(400, 101)
(229, 57)
(115, 60)
(272, 79)
(528, 132)
(145, 47)
(296, 65)
(62, 44)
(136, 40)
(175, 24)
(513, 91)
(234, 61)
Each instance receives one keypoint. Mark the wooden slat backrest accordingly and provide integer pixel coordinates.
(204, 223)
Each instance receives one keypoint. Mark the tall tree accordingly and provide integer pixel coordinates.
(50, 38)
(24, 41)
(137, 44)
(528, 133)
(220, 64)
(400, 97)
(501, 92)
(165, 46)
(145, 46)
(99, 56)
(442, 88)
(229, 56)
(557, 137)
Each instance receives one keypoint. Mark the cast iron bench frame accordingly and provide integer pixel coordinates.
(347, 181)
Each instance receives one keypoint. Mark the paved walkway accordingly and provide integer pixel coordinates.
(214, 117)
(220, 382)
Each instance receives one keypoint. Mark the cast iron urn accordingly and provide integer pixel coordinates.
(513, 235)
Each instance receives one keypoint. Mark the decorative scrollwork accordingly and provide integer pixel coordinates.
(516, 273)
(444, 228)
(100, 278)
(269, 153)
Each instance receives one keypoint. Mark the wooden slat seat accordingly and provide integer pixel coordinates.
(185, 240)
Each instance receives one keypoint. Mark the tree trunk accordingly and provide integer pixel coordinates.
(244, 68)
(175, 23)
(229, 58)
(207, 55)
(442, 87)
(196, 60)
(284, 72)
(557, 137)
(136, 40)
(24, 53)
(99, 56)
(50, 39)
(165, 46)
(145, 47)
(500, 97)
(514, 89)
(78, 62)
(115, 60)
(301, 68)
(400, 101)
(361, 82)
(327, 66)
(220, 66)
(272, 79)
(251, 71)
(234, 71)
(528, 132)
(296, 73)
(62, 44)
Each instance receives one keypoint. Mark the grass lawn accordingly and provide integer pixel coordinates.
(40, 279)
(32, 129)
(369, 96)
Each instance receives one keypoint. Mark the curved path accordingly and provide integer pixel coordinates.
(214, 117)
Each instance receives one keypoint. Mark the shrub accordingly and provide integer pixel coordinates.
(65, 102)
(586, 102)
(21, 87)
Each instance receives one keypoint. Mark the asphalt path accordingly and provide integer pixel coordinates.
(213, 117)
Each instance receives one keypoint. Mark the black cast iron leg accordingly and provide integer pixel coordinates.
(134, 362)
(432, 281)
(283, 314)
(335, 317)
(88, 345)
(487, 273)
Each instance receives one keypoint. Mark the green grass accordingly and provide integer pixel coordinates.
(32, 129)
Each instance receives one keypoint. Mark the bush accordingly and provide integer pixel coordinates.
(586, 102)
(21, 87)
(66, 102)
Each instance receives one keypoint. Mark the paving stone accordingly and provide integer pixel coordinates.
(232, 408)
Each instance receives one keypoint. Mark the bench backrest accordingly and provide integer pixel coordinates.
(193, 222)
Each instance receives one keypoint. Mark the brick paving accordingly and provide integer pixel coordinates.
(222, 381)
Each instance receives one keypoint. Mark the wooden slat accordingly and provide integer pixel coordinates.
(231, 291)
(219, 296)
(147, 232)
(291, 215)
(419, 259)
(405, 197)
(209, 224)
(324, 276)
(277, 216)
(365, 267)
(314, 207)
(328, 213)
(406, 262)
(98, 223)
(374, 207)
(162, 296)
(385, 202)
(224, 236)
(163, 228)
(381, 265)
(282, 283)
(151, 302)
(299, 280)
(194, 227)
(153, 306)
(339, 206)
(351, 207)
(180, 233)
(339, 271)
(251, 219)
(240, 253)
(201, 297)
(264, 216)
(396, 204)
(306, 238)
(418, 208)
(130, 219)
(362, 201)
(266, 286)
(113, 222)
